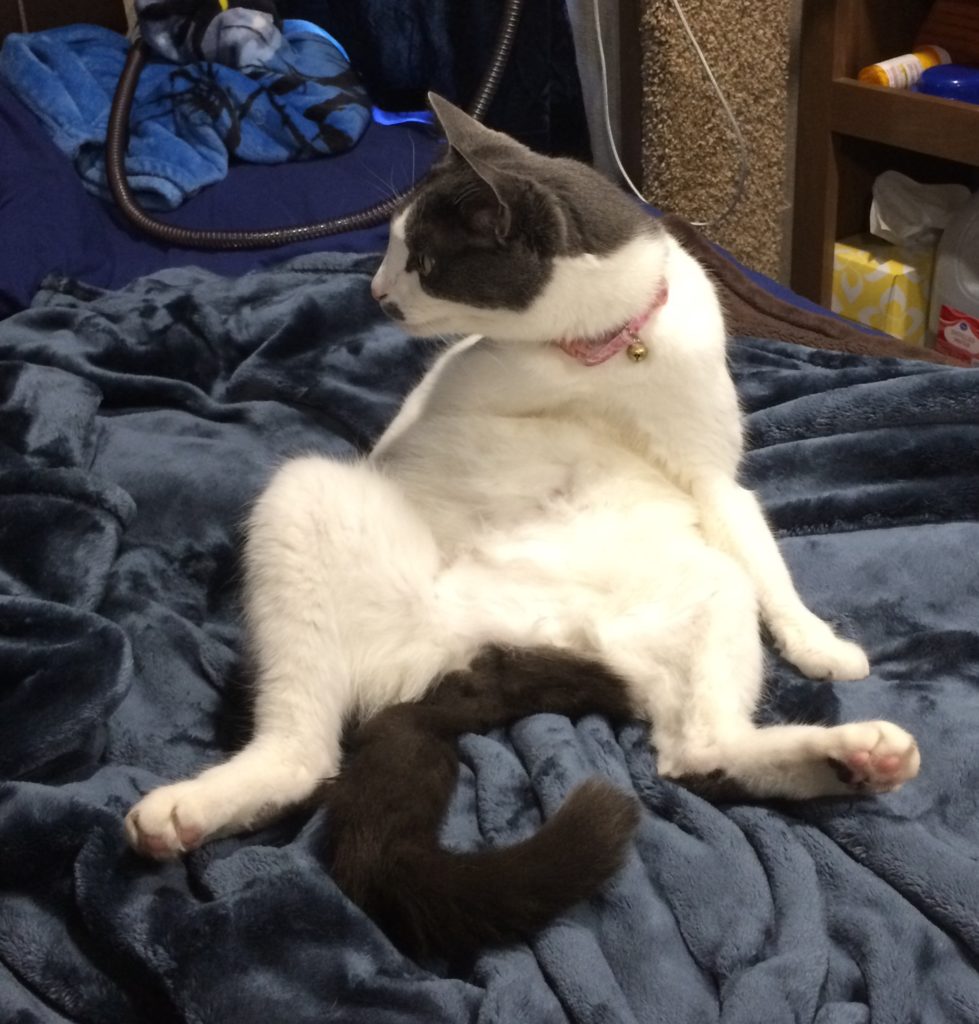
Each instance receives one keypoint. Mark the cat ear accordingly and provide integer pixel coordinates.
(461, 131)
(486, 212)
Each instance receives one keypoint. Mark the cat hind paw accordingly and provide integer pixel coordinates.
(167, 822)
(873, 757)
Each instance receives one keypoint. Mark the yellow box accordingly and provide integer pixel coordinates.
(884, 286)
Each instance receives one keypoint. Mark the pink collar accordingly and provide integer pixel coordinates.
(593, 351)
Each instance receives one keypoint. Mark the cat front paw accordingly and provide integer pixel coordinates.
(817, 652)
(167, 822)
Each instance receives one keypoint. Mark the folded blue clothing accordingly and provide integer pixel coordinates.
(188, 120)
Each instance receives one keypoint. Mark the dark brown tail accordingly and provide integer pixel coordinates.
(389, 800)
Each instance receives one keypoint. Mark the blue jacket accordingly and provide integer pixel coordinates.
(188, 120)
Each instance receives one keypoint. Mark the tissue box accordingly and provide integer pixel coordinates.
(884, 286)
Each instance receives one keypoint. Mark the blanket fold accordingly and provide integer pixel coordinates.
(138, 426)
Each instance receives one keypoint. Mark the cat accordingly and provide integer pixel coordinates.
(398, 774)
(566, 476)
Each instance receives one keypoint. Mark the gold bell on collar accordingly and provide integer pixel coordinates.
(637, 351)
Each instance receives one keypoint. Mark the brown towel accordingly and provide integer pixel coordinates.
(750, 311)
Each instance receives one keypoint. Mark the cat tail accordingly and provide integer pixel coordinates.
(396, 782)
(437, 901)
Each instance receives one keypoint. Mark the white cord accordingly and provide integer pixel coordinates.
(23, 15)
(735, 127)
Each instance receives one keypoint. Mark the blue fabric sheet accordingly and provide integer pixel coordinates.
(135, 429)
(188, 120)
(50, 225)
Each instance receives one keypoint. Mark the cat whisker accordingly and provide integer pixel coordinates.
(386, 188)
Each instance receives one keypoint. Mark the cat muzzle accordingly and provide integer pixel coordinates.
(392, 309)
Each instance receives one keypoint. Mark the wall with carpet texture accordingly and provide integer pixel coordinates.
(689, 153)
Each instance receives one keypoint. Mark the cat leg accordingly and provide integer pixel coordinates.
(702, 689)
(733, 522)
(802, 761)
(339, 573)
(273, 772)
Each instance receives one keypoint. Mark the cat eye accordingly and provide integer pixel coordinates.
(426, 264)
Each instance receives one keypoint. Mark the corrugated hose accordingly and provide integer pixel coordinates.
(117, 140)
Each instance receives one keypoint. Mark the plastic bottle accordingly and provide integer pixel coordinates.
(954, 313)
(951, 82)
(902, 72)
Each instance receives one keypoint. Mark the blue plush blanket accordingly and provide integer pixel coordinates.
(188, 120)
(135, 429)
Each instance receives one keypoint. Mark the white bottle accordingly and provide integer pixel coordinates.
(954, 313)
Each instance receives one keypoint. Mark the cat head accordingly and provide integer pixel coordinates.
(502, 241)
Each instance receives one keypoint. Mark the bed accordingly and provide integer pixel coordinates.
(148, 395)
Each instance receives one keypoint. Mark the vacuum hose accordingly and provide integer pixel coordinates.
(117, 140)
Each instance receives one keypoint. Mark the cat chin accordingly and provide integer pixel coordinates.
(426, 328)
(437, 326)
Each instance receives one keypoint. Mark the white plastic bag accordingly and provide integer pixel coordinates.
(905, 212)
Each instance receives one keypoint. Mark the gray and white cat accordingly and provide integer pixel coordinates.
(567, 476)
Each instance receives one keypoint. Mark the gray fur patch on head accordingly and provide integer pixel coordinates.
(486, 226)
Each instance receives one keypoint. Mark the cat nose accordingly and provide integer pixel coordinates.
(376, 290)
(392, 309)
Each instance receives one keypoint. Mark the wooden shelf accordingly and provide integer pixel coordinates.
(849, 132)
(909, 120)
